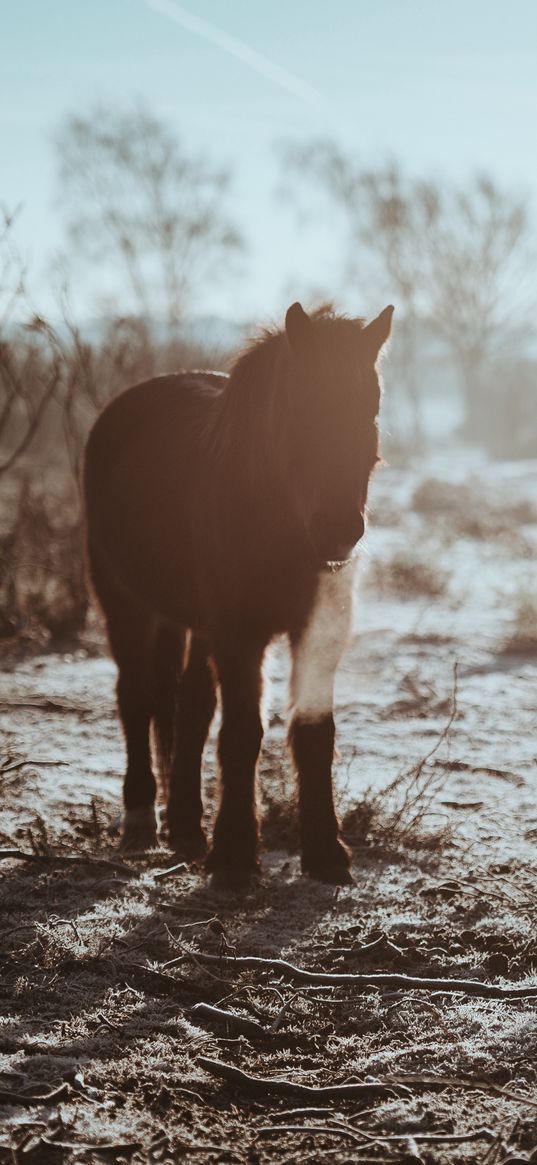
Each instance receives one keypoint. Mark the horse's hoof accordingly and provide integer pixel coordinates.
(190, 847)
(139, 829)
(236, 880)
(328, 863)
(332, 873)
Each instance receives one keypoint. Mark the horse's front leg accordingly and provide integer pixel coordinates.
(316, 653)
(233, 857)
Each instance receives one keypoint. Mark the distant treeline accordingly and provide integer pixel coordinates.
(458, 262)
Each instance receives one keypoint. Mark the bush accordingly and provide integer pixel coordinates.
(523, 637)
(469, 509)
(509, 427)
(408, 576)
(55, 385)
(42, 588)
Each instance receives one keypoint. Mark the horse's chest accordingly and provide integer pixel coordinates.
(318, 648)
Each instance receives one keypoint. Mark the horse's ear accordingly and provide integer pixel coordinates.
(298, 327)
(377, 332)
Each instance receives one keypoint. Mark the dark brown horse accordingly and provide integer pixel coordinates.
(222, 511)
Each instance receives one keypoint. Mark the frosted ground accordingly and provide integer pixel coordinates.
(437, 785)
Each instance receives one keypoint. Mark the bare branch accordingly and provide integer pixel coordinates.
(263, 1085)
(363, 982)
(132, 192)
(18, 392)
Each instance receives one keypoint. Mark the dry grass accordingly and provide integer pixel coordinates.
(522, 639)
(468, 510)
(43, 594)
(408, 575)
(398, 816)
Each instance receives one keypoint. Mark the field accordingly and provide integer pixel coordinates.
(111, 964)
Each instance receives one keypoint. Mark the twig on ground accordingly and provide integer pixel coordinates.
(376, 979)
(8, 1096)
(146, 979)
(235, 1024)
(20, 764)
(246, 988)
(66, 859)
(379, 944)
(409, 1141)
(263, 1085)
(316, 1110)
(112, 1147)
(43, 706)
(103, 1020)
(199, 960)
(477, 1082)
(191, 1095)
(483, 1134)
(277, 1023)
(326, 1130)
(167, 873)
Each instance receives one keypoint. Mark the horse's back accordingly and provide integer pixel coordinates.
(143, 459)
(163, 406)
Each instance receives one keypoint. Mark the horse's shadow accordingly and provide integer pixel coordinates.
(42, 995)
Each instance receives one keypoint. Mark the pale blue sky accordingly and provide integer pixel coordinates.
(448, 86)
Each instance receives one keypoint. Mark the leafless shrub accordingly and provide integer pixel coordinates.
(372, 823)
(522, 639)
(42, 586)
(468, 510)
(29, 384)
(30, 374)
(279, 822)
(507, 427)
(409, 576)
(398, 816)
(58, 382)
(278, 799)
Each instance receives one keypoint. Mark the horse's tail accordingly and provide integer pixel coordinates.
(167, 669)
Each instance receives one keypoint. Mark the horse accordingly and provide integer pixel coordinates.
(222, 511)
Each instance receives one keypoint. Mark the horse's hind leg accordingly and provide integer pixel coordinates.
(131, 637)
(195, 705)
(132, 648)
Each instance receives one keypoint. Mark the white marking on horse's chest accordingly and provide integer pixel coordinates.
(318, 651)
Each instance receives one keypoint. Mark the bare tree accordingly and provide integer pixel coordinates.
(388, 219)
(460, 258)
(134, 196)
(28, 383)
(29, 375)
(481, 284)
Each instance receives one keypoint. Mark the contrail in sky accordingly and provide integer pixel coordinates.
(237, 48)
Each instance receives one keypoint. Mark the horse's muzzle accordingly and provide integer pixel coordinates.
(335, 542)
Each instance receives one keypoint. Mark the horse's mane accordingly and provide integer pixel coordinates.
(263, 348)
(251, 407)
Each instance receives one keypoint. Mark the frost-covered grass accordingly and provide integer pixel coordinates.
(435, 714)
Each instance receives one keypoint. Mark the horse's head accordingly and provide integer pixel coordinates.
(334, 397)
